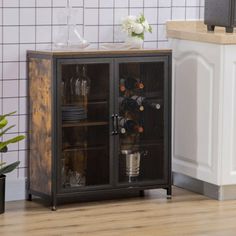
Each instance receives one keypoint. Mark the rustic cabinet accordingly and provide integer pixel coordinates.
(99, 122)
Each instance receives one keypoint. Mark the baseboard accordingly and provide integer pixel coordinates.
(15, 189)
(225, 192)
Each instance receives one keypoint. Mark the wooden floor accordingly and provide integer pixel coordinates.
(186, 214)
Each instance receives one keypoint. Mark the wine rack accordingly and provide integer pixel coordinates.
(100, 122)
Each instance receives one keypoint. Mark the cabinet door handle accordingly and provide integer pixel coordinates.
(113, 124)
(117, 124)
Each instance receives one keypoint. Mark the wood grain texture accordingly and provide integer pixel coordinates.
(40, 125)
(187, 214)
(197, 31)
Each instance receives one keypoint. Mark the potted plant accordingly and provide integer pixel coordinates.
(136, 27)
(6, 168)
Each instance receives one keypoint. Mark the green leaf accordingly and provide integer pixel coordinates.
(5, 115)
(142, 18)
(4, 131)
(12, 140)
(9, 168)
(141, 36)
(150, 29)
(3, 123)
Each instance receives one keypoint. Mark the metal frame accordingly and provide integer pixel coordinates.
(60, 62)
(167, 118)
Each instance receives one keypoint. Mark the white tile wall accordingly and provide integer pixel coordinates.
(34, 24)
(122, 3)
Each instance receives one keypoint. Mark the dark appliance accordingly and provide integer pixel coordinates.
(220, 13)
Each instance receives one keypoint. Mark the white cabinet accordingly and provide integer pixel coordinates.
(204, 114)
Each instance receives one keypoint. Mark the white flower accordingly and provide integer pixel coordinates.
(146, 25)
(132, 19)
(138, 28)
(128, 22)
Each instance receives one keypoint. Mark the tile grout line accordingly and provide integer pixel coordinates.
(98, 34)
(157, 44)
(18, 81)
(113, 27)
(52, 28)
(1, 156)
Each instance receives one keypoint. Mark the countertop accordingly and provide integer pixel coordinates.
(197, 31)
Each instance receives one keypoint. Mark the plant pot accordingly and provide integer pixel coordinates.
(2, 193)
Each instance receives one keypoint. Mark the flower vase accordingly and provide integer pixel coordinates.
(134, 42)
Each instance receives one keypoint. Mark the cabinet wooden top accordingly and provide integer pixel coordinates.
(197, 31)
(97, 52)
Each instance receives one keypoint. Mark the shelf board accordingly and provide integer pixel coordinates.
(73, 149)
(100, 102)
(145, 143)
(90, 102)
(84, 123)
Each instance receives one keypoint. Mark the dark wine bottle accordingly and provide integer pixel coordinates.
(129, 126)
(130, 83)
(142, 102)
(122, 85)
(129, 104)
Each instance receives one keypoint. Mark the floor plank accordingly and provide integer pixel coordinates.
(186, 214)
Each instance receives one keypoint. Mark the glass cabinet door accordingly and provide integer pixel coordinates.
(84, 133)
(141, 121)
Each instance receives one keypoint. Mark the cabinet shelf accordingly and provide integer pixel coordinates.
(94, 148)
(144, 143)
(90, 102)
(84, 123)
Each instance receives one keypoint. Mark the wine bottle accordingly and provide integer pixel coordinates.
(139, 101)
(130, 83)
(122, 85)
(129, 104)
(129, 126)
(142, 102)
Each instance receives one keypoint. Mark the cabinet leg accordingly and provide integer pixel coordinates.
(229, 29)
(169, 192)
(29, 197)
(54, 204)
(141, 193)
(210, 27)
